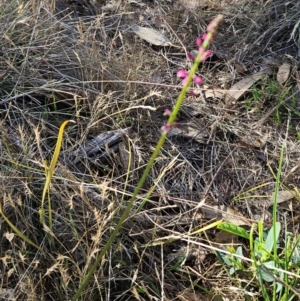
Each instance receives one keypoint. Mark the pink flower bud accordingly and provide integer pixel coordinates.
(198, 41)
(197, 80)
(167, 112)
(205, 55)
(201, 50)
(166, 128)
(182, 73)
(190, 57)
(212, 26)
(192, 94)
(204, 37)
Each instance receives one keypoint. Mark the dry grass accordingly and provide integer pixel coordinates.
(83, 63)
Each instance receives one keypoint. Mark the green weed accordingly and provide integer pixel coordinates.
(272, 264)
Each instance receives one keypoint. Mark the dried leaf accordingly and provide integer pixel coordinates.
(208, 4)
(229, 215)
(270, 60)
(240, 67)
(125, 155)
(190, 4)
(224, 237)
(224, 213)
(283, 196)
(189, 130)
(152, 36)
(214, 93)
(9, 236)
(252, 139)
(283, 73)
(238, 89)
(10, 272)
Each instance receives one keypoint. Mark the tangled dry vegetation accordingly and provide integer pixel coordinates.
(80, 60)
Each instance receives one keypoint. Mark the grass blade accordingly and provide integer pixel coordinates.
(50, 170)
(16, 230)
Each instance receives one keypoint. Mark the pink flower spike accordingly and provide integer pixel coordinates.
(205, 55)
(204, 37)
(201, 50)
(212, 26)
(166, 128)
(197, 80)
(167, 112)
(190, 57)
(198, 41)
(182, 73)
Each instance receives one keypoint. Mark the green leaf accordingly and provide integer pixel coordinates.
(231, 260)
(271, 240)
(259, 249)
(267, 274)
(225, 258)
(296, 251)
(239, 251)
(233, 229)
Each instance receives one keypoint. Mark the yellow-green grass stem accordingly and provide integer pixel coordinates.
(49, 173)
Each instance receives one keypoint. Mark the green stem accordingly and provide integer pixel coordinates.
(123, 217)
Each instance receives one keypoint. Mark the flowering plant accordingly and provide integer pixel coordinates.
(203, 43)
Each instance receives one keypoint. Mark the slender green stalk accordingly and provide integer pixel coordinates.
(276, 198)
(275, 213)
(123, 217)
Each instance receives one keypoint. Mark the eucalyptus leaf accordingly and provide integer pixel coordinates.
(152, 36)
